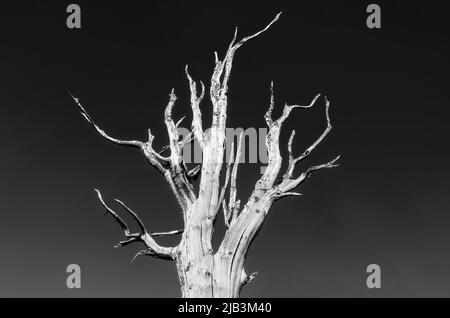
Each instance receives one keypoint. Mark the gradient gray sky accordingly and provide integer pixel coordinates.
(387, 204)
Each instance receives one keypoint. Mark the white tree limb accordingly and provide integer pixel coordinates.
(168, 233)
(195, 106)
(224, 189)
(172, 131)
(195, 172)
(154, 158)
(153, 248)
(292, 161)
(233, 205)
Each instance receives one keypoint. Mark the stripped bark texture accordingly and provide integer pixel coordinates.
(204, 272)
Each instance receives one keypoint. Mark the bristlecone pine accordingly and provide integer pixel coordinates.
(202, 271)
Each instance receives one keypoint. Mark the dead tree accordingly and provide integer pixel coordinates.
(202, 271)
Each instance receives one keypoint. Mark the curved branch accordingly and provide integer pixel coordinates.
(285, 194)
(154, 158)
(219, 88)
(129, 143)
(288, 108)
(141, 224)
(153, 248)
(307, 173)
(292, 161)
(245, 39)
(233, 47)
(169, 233)
(290, 184)
(119, 220)
(134, 215)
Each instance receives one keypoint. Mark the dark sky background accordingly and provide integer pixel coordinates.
(388, 203)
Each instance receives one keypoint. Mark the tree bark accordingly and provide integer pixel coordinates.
(210, 276)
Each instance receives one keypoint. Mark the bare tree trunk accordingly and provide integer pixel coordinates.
(209, 276)
(202, 271)
(205, 274)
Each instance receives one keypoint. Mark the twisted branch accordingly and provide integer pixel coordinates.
(154, 158)
(153, 248)
(170, 167)
(293, 162)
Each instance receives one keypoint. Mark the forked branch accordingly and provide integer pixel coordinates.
(219, 84)
(155, 159)
(170, 167)
(153, 248)
(294, 161)
(290, 183)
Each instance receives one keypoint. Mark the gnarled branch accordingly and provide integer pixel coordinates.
(129, 143)
(288, 183)
(154, 158)
(219, 89)
(170, 167)
(288, 108)
(292, 161)
(153, 248)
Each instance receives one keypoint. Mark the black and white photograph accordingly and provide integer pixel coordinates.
(224, 149)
